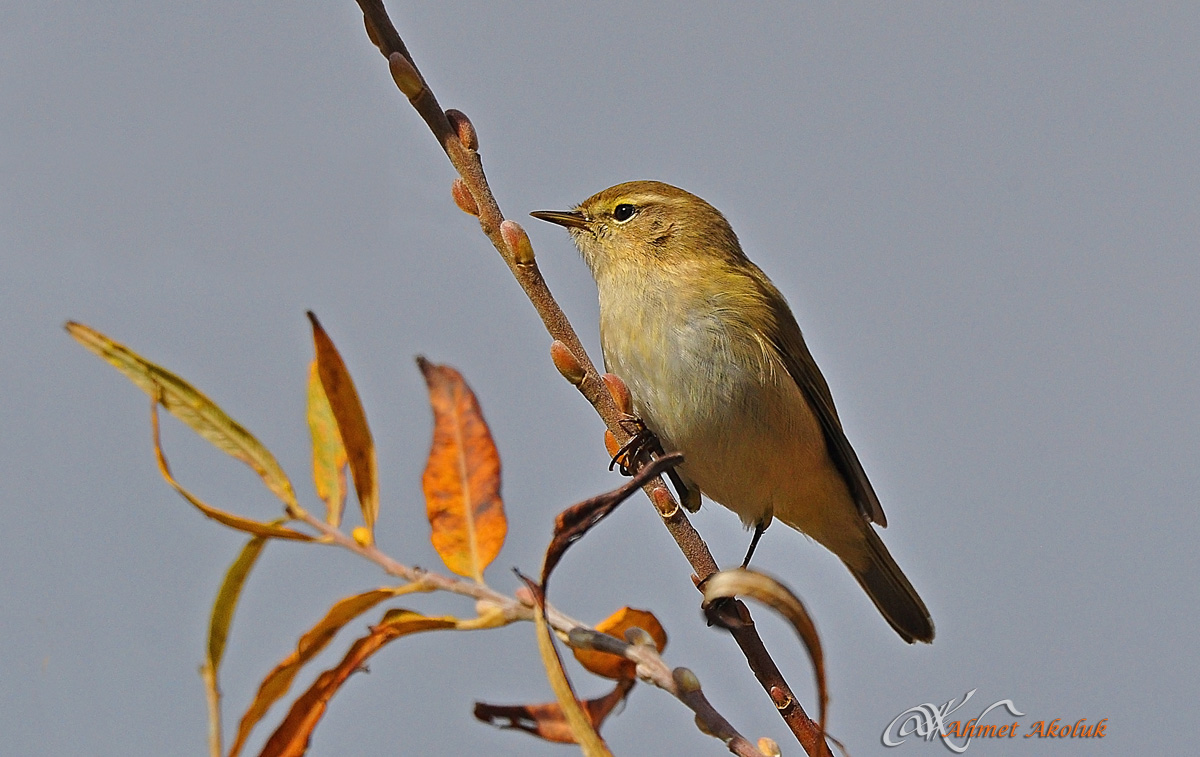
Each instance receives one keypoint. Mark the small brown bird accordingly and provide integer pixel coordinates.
(718, 370)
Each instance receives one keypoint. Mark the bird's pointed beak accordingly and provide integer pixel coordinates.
(572, 219)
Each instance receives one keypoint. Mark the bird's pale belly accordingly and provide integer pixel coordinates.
(749, 439)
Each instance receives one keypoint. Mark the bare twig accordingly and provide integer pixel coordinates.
(458, 138)
(680, 682)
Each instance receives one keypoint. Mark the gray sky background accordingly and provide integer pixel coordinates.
(985, 217)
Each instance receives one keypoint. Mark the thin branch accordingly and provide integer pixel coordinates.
(458, 138)
(682, 683)
(651, 667)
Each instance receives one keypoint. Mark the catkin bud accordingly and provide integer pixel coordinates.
(566, 363)
(371, 33)
(686, 680)
(640, 637)
(518, 242)
(405, 76)
(463, 128)
(664, 502)
(463, 197)
(619, 392)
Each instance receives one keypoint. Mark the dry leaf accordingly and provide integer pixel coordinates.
(772, 593)
(189, 405)
(351, 422)
(580, 724)
(572, 523)
(279, 680)
(258, 528)
(462, 477)
(224, 606)
(613, 666)
(546, 720)
(291, 738)
(328, 452)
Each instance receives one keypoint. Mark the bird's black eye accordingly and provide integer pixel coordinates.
(623, 212)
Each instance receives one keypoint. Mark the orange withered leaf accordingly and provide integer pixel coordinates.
(610, 665)
(351, 422)
(279, 680)
(291, 738)
(462, 477)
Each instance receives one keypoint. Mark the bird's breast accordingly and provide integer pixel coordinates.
(706, 382)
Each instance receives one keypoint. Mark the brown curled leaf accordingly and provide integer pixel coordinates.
(546, 720)
(750, 583)
(572, 523)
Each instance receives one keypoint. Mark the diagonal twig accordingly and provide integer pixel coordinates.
(458, 138)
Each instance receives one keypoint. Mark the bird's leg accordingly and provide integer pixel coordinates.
(688, 497)
(642, 444)
(759, 528)
(724, 612)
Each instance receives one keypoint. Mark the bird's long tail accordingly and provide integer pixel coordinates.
(891, 592)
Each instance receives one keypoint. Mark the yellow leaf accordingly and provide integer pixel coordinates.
(581, 725)
(279, 680)
(772, 593)
(351, 422)
(255, 527)
(610, 665)
(189, 405)
(462, 477)
(329, 454)
(218, 630)
(291, 738)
